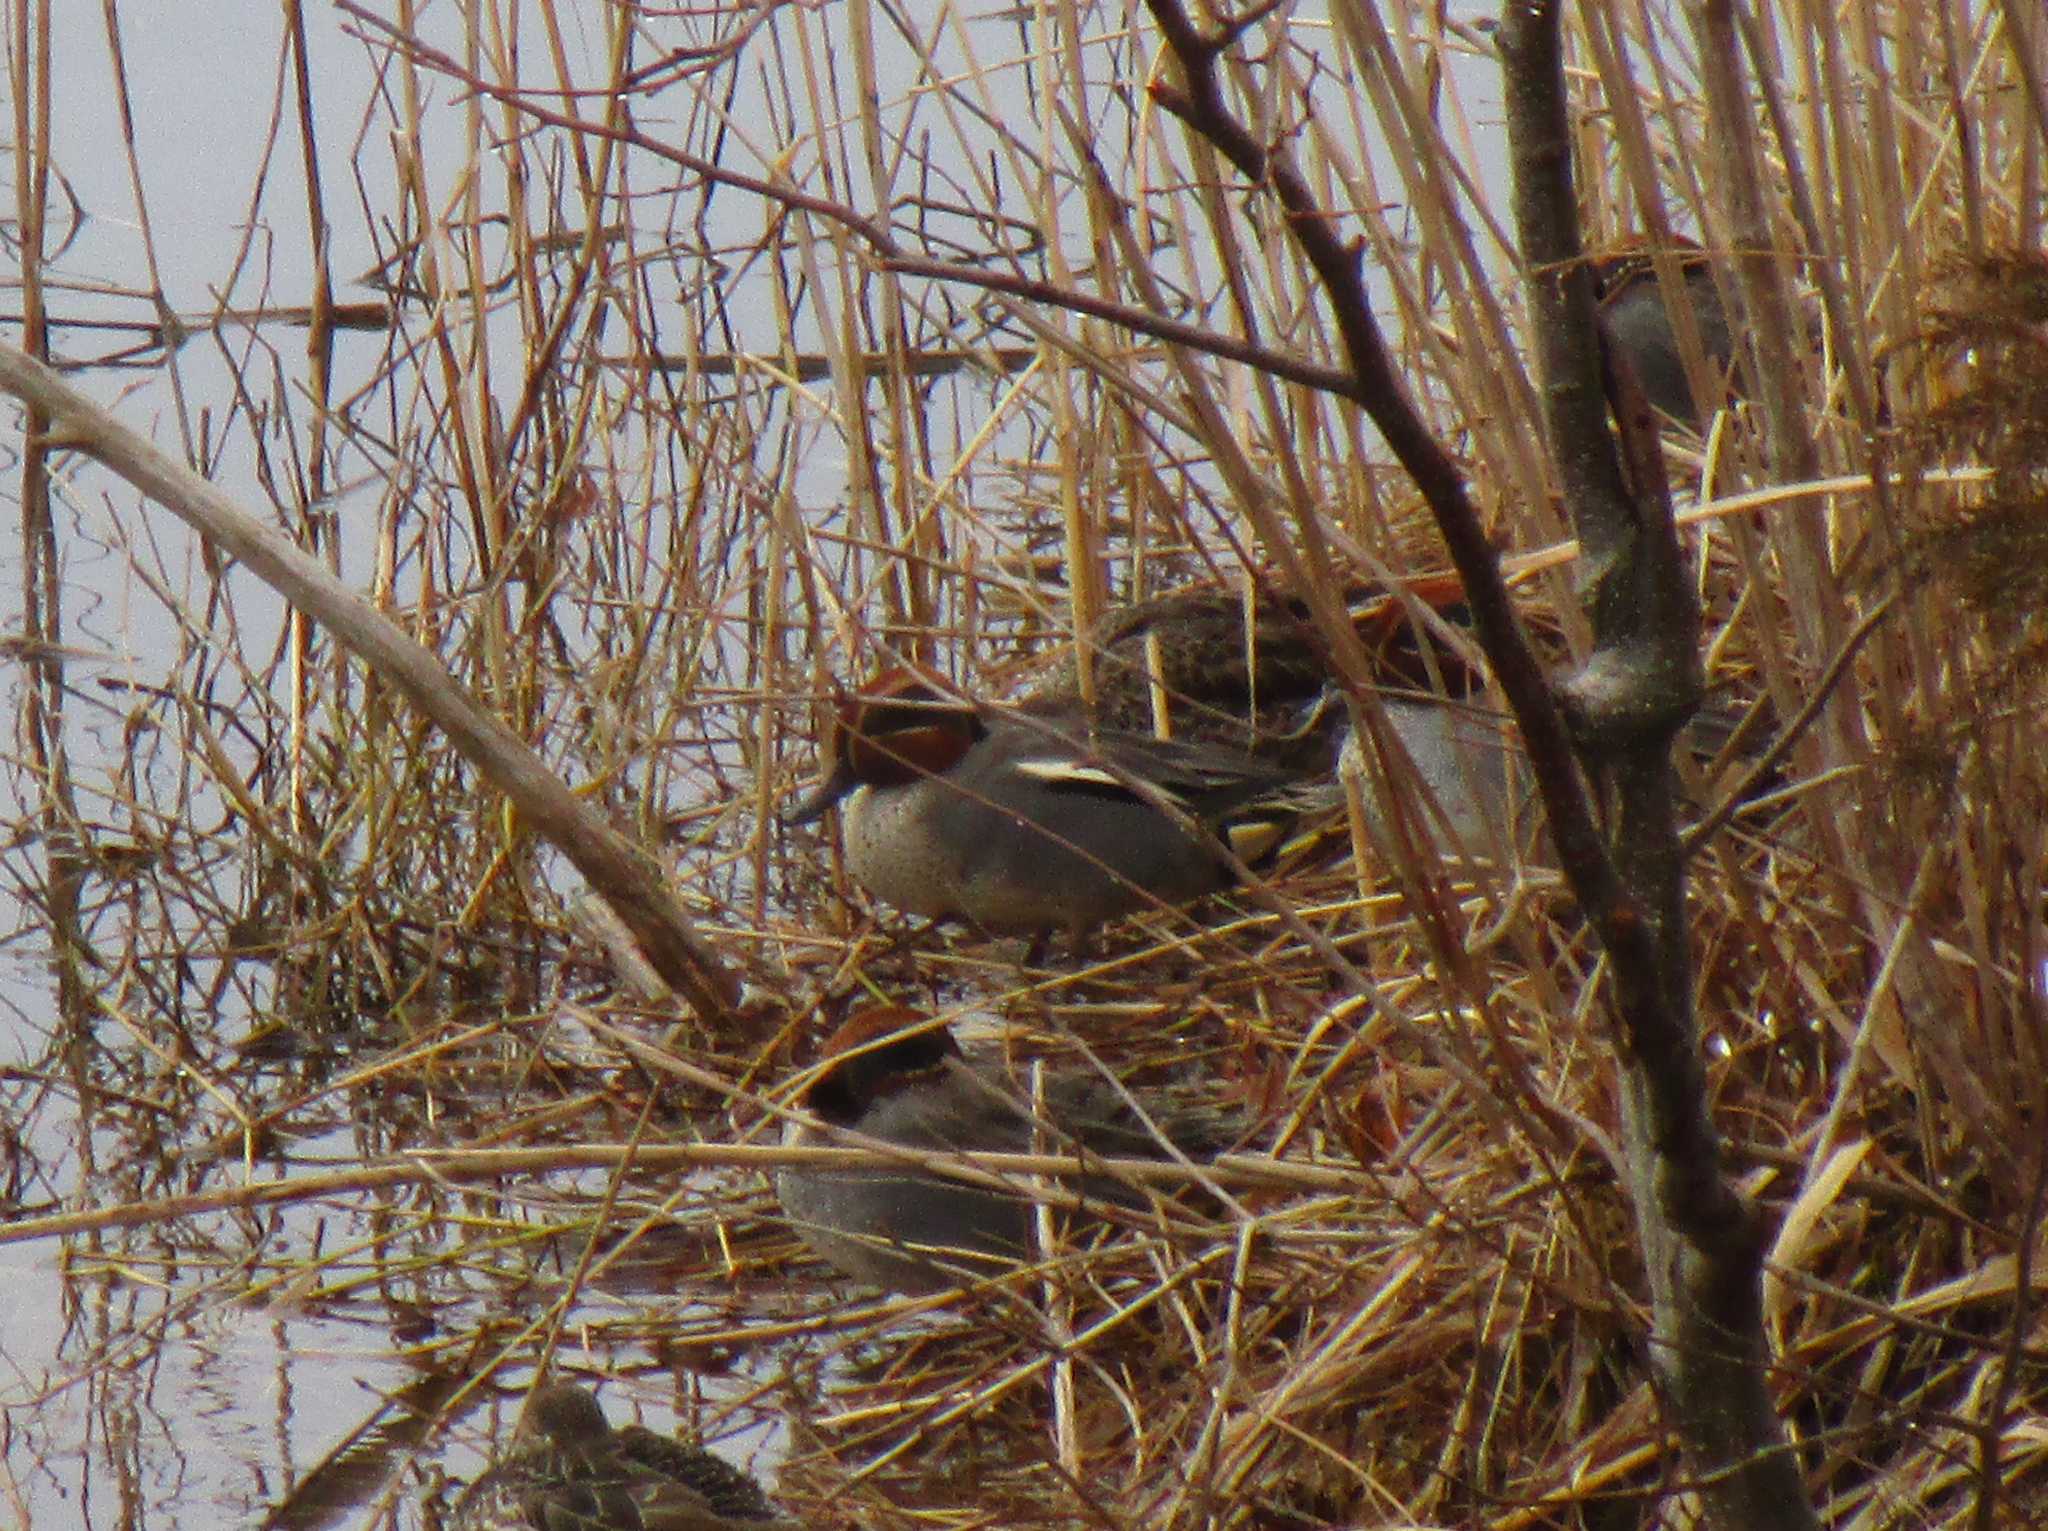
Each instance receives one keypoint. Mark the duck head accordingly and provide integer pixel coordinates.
(567, 1416)
(880, 1051)
(902, 725)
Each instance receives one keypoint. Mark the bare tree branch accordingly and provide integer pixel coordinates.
(1703, 1243)
(630, 880)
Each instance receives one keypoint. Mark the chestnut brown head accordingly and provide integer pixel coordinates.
(876, 1055)
(900, 726)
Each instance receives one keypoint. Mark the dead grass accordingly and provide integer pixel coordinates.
(665, 462)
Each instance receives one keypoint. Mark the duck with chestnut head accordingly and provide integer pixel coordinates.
(1020, 819)
(891, 1074)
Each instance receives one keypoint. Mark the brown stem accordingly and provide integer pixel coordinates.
(1702, 1242)
(628, 878)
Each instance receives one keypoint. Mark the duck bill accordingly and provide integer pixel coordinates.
(821, 797)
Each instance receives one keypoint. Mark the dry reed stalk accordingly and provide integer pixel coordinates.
(595, 492)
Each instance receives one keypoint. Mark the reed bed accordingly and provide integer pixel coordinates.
(732, 362)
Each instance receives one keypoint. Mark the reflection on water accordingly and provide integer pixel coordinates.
(287, 1365)
(650, 462)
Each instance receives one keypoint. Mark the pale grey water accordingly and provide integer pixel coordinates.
(197, 1410)
(122, 1379)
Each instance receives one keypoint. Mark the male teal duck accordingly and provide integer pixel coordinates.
(1021, 818)
(891, 1075)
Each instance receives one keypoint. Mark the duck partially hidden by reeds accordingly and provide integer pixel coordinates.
(1636, 322)
(569, 1470)
(893, 1077)
(1245, 669)
(1239, 669)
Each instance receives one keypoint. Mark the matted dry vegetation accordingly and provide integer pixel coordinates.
(654, 459)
